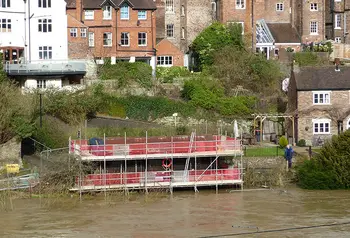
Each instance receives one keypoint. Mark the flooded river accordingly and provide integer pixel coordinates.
(185, 214)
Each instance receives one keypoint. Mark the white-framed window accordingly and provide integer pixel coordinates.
(165, 61)
(337, 21)
(124, 39)
(91, 39)
(183, 33)
(337, 39)
(89, 14)
(337, 0)
(124, 12)
(313, 6)
(5, 25)
(44, 25)
(321, 97)
(313, 28)
(107, 12)
(40, 83)
(45, 52)
(169, 6)
(170, 30)
(279, 7)
(142, 15)
(107, 39)
(5, 3)
(44, 3)
(183, 12)
(73, 32)
(321, 126)
(240, 4)
(83, 32)
(142, 38)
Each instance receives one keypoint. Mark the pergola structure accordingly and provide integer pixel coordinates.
(12, 54)
(263, 117)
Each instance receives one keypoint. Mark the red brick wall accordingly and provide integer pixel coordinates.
(116, 26)
(78, 47)
(166, 48)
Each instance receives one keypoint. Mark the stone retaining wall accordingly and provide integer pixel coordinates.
(10, 152)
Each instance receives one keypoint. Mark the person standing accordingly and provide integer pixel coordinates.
(288, 155)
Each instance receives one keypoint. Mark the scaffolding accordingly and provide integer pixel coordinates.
(143, 150)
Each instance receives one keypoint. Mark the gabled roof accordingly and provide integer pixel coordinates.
(96, 4)
(322, 78)
(73, 22)
(284, 33)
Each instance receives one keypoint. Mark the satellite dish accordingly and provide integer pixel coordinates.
(285, 84)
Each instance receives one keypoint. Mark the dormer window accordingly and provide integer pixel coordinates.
(107, 12)
(124, 12)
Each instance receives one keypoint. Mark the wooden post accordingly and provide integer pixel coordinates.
(293, 125)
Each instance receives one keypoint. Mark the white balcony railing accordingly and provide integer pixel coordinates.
(46, 67)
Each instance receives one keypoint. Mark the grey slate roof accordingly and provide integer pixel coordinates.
(284, 33)
(322, 78)
(96, 4)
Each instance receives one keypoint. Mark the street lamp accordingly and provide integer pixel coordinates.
(175, 115)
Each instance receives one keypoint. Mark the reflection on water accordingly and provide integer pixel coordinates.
(186, 214)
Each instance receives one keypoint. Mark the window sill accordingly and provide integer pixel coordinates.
(238, 8)
(320, 104)
(107, 46)
(142, 19)
(321, 133)
(124, 45)
(313, 10)
(107, 19)
(337, 28)
(313, 34)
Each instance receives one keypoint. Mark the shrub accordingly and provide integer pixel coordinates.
(283, 142)
(301, 143)
(330, 168)
(127, 73)
(167, 74)
(307, 58)
(181, 130)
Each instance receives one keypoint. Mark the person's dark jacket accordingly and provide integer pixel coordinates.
(288, 153)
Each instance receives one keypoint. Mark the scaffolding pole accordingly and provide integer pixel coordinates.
(216, 163)
(146, 170)
(125, 166)
(172, 166)
(200, 176)
(195, 167)
(104, 165)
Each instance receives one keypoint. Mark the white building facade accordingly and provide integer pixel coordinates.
(38, 27)
(34, 42)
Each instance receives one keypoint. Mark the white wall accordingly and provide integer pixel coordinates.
(57, 39)
(17, 35)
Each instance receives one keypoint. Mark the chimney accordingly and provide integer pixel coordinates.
(79, 10)
(337, 63)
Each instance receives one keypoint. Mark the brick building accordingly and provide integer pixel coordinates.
(116, 29)
(320, 98)
(338, 20)
(180, 21)
(278, 23)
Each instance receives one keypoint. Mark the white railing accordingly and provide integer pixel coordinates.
(45, 66)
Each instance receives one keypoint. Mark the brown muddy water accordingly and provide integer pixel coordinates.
(185, 214)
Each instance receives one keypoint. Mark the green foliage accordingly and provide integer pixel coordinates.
(307, 58)
(150, 108)
(3, 76)
(236, 67)
(54, 133)
(181, 130)
(319, 47)
(167, 74)
(71, 108)
(283, 142)
(330, 169)
(215, 37)
(210, 95)
(301, 143)
(16, 112)
(127, 73)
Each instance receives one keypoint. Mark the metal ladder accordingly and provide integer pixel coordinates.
(187, 164)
